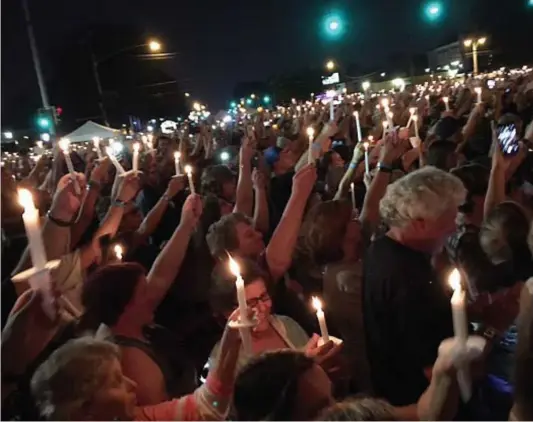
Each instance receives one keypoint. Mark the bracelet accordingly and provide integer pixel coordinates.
(93, 184)
(352, 165)
(57, 222)
(384, 168)
(118, 203)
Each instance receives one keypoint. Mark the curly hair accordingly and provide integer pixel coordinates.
(222, 236)
(362, 409)
(426, 193)
(323, 231)
(67, 380)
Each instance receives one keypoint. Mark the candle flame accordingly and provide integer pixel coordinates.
(415, 118)
(96, 140)
(412, 110)
(366, 143)
(177, 155)
(310, 132)
(136, 147)
(352, 186)
(370, 138)
(356, 114)
(385, 102)
(385, 123)
(26, 199)
(445, 99)
(234, 267)
(477, 89)
(455, 279)
(64, 144)
(317, 304)
(118, 251)
(188, 169)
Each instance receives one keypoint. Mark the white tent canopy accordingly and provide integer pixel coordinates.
(89, 130)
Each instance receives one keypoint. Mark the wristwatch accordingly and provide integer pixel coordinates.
(118, 203)
(58, 222)
(385, 168)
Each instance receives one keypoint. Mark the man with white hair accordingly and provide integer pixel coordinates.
(406, 311)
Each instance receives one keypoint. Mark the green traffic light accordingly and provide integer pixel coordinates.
(433, 11)
(333, 25)
(249, 101)
(233, 104)
(43, 122)
(266, 99)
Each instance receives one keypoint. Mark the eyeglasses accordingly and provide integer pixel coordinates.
(253, 302)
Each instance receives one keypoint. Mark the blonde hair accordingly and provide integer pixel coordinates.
(423, 194)
(67, 380)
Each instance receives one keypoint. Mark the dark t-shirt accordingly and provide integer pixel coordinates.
(406, 314)
(279, 194)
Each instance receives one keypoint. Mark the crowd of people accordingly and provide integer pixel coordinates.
(365, 207)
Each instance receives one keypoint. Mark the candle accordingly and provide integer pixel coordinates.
(321, 319)
(239, 285)
(357, 125)
(118, 166)
(96, 142)
(445, 99)
(352, 192)
(311, 134)
(331, 110)
(367, 163)
(119, 252)
(30, 217)
(177, 156)
(477, 89)
(415, 120)
(460, 325)
(136, 148)
(412, 111)
(64, 145)
(188, 170)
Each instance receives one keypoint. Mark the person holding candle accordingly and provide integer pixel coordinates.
(137, 296)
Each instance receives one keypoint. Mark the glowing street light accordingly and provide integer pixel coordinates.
(474, 43)
(330, 65)
(196, 106)
(333, 25)
(154, 46)
(433, 11)
(187, 94)
(252, 96)
(365, 85)
(8, 135)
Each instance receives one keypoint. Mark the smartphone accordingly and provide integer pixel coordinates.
(491, 83)
(508, 139)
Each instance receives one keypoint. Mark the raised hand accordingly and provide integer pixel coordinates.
(192, 210)
(176, 185)
(101, 170)
(304, 180)
(129, 188)
(247, 150)
(66, 202)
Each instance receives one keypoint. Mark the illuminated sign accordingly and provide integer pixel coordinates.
(168, 126)
(332, 79)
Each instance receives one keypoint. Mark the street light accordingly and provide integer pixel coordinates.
(8, 135)
(187, 94)
(365, 85)
(153, 45)
(330, 65)
(474, 43)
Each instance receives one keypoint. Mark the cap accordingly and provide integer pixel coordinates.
(271, 155)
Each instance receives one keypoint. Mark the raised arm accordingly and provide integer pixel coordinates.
(168, 262)
(358, 152)
(261, 216)
(244, 195)
(320, 145)
(281, 247)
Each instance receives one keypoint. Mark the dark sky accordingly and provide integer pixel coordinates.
(221, 42)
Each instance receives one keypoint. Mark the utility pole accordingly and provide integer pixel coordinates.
(37, 62)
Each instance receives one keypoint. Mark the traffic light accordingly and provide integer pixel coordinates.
(46, 120)
(266, 99)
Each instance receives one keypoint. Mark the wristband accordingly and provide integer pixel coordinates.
(384, 168)
(118, 203)
(352, 165)
(57, 222)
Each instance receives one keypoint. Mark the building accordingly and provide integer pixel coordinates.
(445, 54)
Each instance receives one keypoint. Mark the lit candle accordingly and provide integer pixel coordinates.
(415, 120)
(445, 99)
(96, 142)
(331, 110)
(30, 217)
(188, 170)
(64, 145)
(239, 285)
(478, 90)
(352, 192)
(177, 156)
(321, 319)
(136, 148)
(460, 327)
(367, 163)
(118, 166)
(119, 252)
(310, 134)
(357, 125)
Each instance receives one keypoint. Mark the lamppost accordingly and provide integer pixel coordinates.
(474, 44)
(152, 45)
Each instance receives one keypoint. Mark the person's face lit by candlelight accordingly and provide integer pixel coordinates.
(258, 298)
(250, 240)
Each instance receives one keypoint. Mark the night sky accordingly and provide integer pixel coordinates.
(221, 43)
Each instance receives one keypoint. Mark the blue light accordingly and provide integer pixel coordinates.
(248, 101)
(433, 11)
(266, 99)
(44, 122)
(233, 104)
(333, 25)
